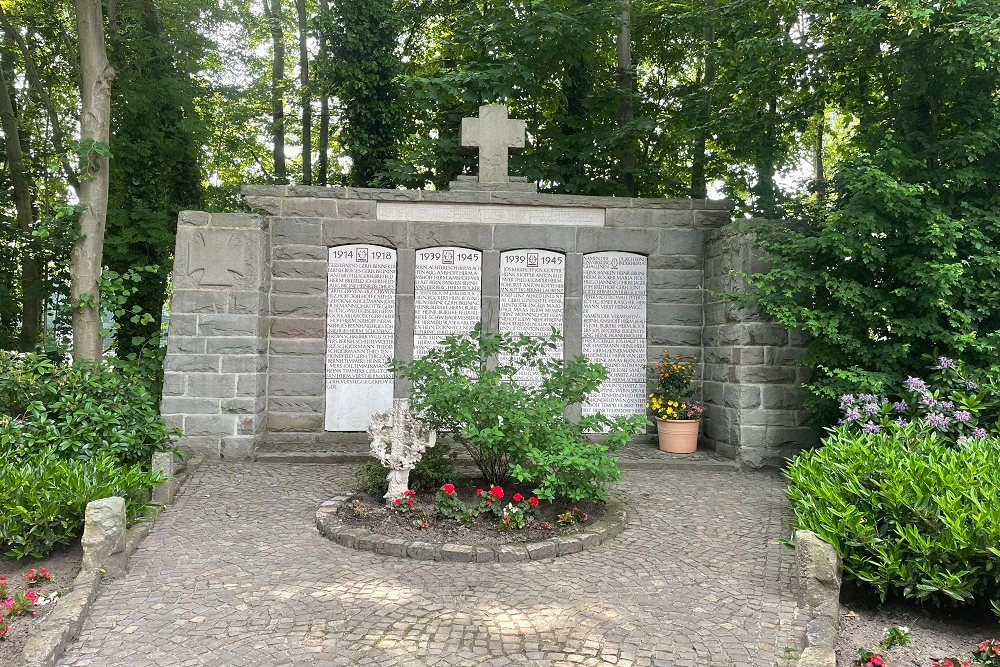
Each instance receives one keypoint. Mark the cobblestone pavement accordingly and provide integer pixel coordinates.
(236, 574)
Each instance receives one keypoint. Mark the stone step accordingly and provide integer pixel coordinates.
(633, 455)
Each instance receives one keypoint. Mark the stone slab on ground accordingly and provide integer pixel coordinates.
(236, 574)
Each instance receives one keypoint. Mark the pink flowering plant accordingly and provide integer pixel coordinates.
(868, 658)
(406, 503)
(20, 604)
(573, 516)
(37, 576)
(447, 504)
(3, 588)
(4, 629)
(987, 653)
(950, 403)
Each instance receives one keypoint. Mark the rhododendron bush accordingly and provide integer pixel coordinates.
(504, 399)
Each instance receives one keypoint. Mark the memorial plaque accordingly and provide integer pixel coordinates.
(614, 330)
(489, 214)
(448, 294)
(360, 328)
(532, 287)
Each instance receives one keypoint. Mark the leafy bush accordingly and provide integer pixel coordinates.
(910, 514)
(76, 410)
(468, 387)
(434, 469)
(45, 497)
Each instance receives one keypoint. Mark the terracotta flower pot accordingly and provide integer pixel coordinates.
(678, 436)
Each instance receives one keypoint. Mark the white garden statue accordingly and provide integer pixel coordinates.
(399, 442)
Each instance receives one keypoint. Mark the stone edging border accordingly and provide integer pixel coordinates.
(819, 575)
(361, 539)
(63, 624)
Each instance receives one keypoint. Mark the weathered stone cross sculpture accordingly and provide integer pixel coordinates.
(399, 442)
(219, 256)
(495, 135)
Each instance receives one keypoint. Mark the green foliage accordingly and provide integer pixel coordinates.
(904, 258)
(76, 411)
(434, 469)
(515, 430)
(360, 70)
(911, 516)
(45, 496)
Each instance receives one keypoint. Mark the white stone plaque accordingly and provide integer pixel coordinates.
(532, 287)
(360, 328)
(447, 293)
(614, 330)
(489, 213)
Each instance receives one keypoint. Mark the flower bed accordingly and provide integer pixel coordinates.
(468, 522)
(61, 568)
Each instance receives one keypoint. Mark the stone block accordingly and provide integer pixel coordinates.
(681, 242)
(192, 363)
(541, 550)
(712, 219)
(244, 363)
(817, 657)
(513, 553)
(315, 251)
(298, 404)
(674, 279)
(247, 303)
(649, 217)
(298, 286)
(173, 383)
(251, 385)
(293, 327)
(301, 306)
(673, 314)
(543, 237)
(193, 218)
(243, 406)
(595, 239)
(690, 296)
(673, 336)
(763, 374)
(746, 396)
(209, 425)
(198, 301)
(457, 553)
(781, 397)
(174, 405)
(211, 385)
(819, 570)
(228, 325)
(428, 234)
(356, 209)
(387, 233)
(235, 345)
(309, 207)
(391, 546)
(237, 447)
(104, 536)
(237, 221)
(185, 345)
(423, 551)
(183, 324)
(268, 205)
(295, 422)
(296, 231)
(297, 363)
(309, 269)
(297, 346)
(296, 384)
(163, 463)
(250, 424)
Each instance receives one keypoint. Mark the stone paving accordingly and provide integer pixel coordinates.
(235, 574)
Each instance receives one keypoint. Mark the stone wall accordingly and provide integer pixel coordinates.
(246, 345)
(750, 376)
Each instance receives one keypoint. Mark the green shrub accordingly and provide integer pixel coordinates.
(45, 497)
(434, 469)
(76, 410)
(465, 387)
(910, 514)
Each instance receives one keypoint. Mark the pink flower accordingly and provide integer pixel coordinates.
(449, 489)
(8, 603)
(31, 596)
(479, 492)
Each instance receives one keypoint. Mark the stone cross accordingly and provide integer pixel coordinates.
(399, 442)
(494, 134)
(219, 255)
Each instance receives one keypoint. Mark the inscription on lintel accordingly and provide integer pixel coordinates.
(489, 214)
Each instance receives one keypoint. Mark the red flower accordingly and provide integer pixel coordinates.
(496, 492)
(489, 503)
(533, 501)
(449, 489)
(399, 501)
(409, 492)
(479, 492)
(948, 663)
(876, 660)
(412, 501)
(518, 497)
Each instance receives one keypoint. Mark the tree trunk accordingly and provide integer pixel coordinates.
(95, 129)
(626, 82)
(31, 303)
(699, 158)
(324, 107)
(819, 166)
(300, 6)
(273, 13)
